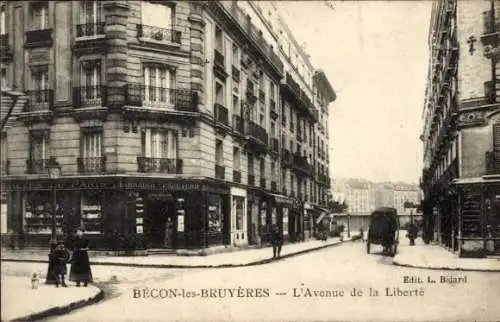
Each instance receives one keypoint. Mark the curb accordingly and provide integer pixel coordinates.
(396, 263)
(60, 310)
(258, 262)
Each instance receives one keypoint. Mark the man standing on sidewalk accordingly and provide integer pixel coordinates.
(277, 241)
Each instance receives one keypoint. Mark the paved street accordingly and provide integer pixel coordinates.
(285, 290)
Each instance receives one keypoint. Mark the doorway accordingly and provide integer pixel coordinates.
(160, 222)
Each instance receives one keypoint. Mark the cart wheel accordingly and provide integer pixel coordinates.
(368, 247)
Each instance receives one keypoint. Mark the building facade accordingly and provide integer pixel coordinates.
(461, 134)
(166, 119)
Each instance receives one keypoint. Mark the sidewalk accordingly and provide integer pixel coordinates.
(436, 257)
(228, 259)
(21, 303)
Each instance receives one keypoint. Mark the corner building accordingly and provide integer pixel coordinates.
(461, 135)
(156, 112)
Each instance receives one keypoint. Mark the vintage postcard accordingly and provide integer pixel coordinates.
(250, 160)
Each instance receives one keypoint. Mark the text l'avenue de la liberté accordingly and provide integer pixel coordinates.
(411, 288)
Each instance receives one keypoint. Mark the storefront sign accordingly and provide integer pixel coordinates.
(167, 186)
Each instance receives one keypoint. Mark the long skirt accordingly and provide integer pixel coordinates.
(80, 268)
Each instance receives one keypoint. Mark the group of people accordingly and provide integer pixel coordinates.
(78, 257)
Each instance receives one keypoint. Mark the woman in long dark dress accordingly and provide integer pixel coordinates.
(80, 267)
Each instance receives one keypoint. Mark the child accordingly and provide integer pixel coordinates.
(60, 257)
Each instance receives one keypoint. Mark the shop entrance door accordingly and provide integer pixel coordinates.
(160, 223)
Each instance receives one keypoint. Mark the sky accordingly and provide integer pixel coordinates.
(375, 55)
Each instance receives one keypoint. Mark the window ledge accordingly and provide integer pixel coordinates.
(93, 37)
(159, 42)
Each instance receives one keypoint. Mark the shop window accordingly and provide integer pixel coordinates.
(38, 214)
(159, 144)
(214, 215)
(238, 208)
(91, 212)
(40, 15)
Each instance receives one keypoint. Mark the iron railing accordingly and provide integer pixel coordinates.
(158, 33)
(151, 96)
(38, 166)
(91, 165)
(90, 29)
(40, 100)
(160, 165)
(90, 96)
(42, 37)
(257, 132)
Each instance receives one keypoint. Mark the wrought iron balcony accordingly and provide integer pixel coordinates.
(159, 165)
(158, 97)
(40, 100)
(221, 114)
(301, 165)
(220, 172)
(236, 176)
(492, 162)
(257, 134)
(89, 96)
(38, 166)
(251, 180)
(263, 183)
(145, 32)
(90, 29)
(238, 124)
(291, 87)
(91, 165)
(324, 179)
(38, 38)
(275, 145)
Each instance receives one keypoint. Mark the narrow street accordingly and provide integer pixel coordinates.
(315, 286)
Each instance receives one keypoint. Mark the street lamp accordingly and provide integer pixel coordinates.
(54, 170)
(348, 225)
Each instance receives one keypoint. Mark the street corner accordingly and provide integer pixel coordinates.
(44, 300)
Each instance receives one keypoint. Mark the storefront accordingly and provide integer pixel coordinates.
(155, 212)
(259, 217)
(239, 227)
(283, 216)
(479, 216)
(308, 221)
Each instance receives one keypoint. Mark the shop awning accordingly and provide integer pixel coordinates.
(323, 215)
(488, 179)
(281, 199)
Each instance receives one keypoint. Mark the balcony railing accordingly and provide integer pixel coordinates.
(238, 124)
(263, 183)
(236, 176)
(159, 34)
(91, 165)
(40, 100)
(275, 145)
(159, 165)
(90, 96)
(257, 132)
(159, 97)
(221, 114)
(251, 180)
(38, 38)
(38, 166)
(220, 172)
(492, 163)
(90, 29)
(301, 164)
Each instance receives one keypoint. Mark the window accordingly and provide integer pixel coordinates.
(219, 41)
(272, 91)
(39, 145)
(159, 143)
(236, 56)
(262, 168)
(273, 129)
(219, 94)
(91, 78)
(3, 77)
(219, 156)
(90, 13)
(236, 159)
(91, 143)
(236, 105)
(273, 169)
(238, 204)
(157, 15)
(3, 24)
(158, 82)
(250, 164)
(40, 15)
(40, 78)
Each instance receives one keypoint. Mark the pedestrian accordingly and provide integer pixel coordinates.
(361, 234)
(60, 257)
(412, 233)
(80, 263)
(51, 276)
(277, 241)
